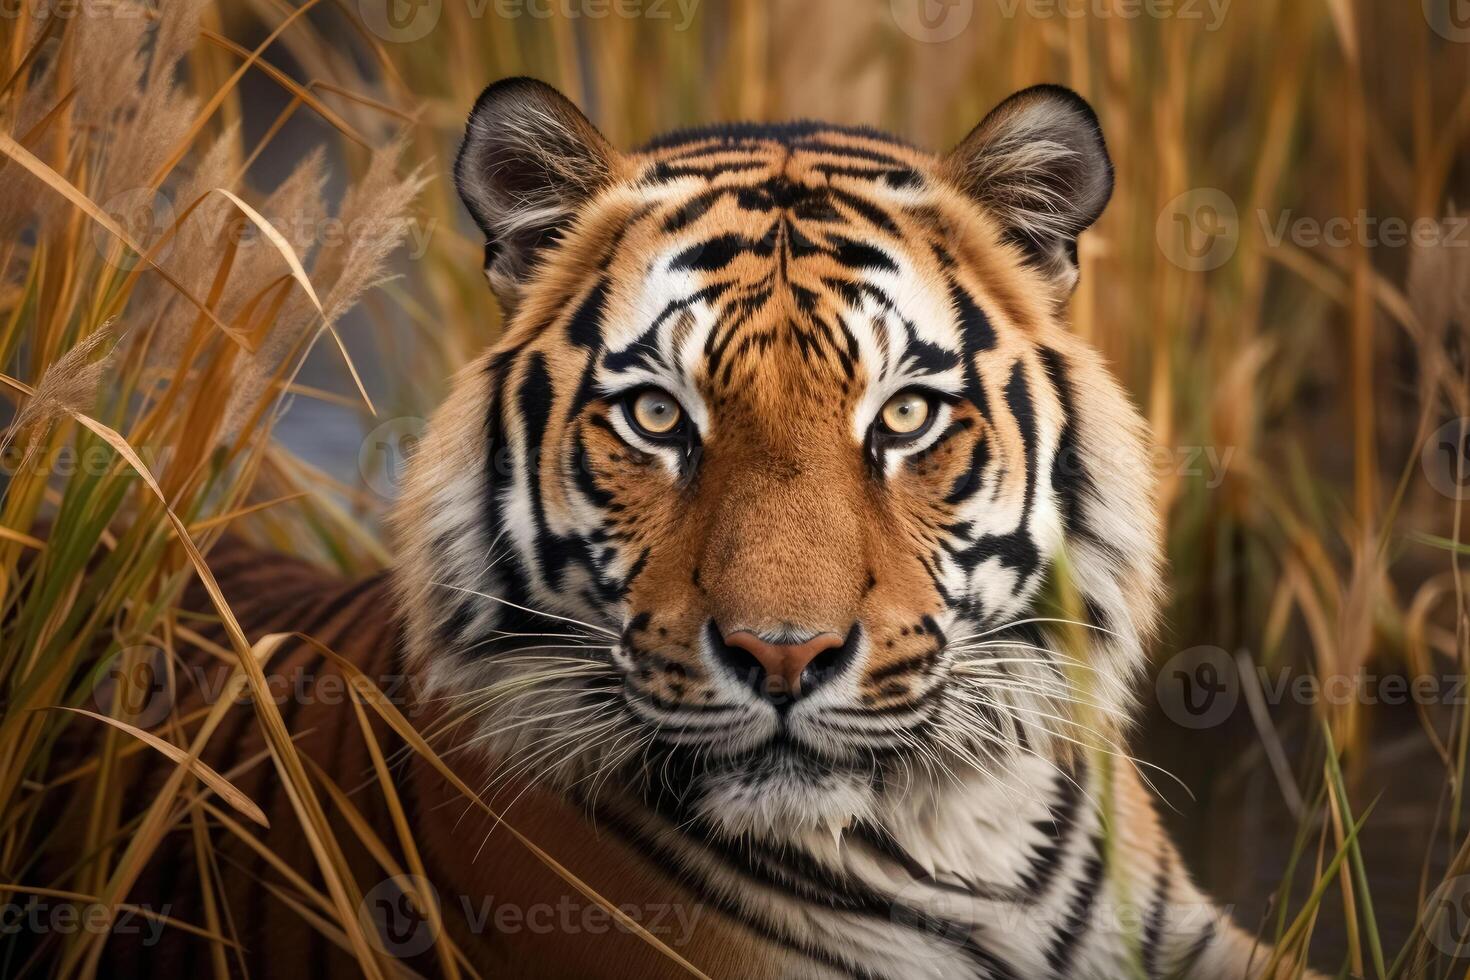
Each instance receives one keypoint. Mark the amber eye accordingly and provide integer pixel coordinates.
(655, 413)
(907, 413)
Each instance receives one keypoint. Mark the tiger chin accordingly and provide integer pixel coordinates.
(738, 539)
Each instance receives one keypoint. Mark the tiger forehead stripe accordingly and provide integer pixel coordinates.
(783, 206)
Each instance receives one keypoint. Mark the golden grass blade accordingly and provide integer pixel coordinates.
(298, 272)
(10, 534)
(270, 857)
(208, 874)
(234, 515)
(292, 86)
(325, 927)
(317, 394)
(226, 790)
(447, 952)
(451, 955)
(383, 107)
(149, 831)
(293, 774)
(364, 687)
(68, 190)
(223, 92)
(146, 913)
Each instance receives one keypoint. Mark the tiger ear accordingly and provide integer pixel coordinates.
(528, 162)
(1039, 164)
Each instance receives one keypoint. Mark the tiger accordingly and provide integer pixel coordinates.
(786, 571)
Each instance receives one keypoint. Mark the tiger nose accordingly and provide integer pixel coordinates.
(776, 669)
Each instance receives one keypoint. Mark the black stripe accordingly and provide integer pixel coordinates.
(1015, 549)
(663, 173)
(662, 856)
(1074, 926)
(860, 255)
(1201, 944)
(885, 843)
(796, 872)
(792, 133)
(1057, 829)
(974, 324)
(1153, 929)
(714, 254)
(637, 353)
(585, 327)
(816, 145)
(919, 661)
(867, 210)
(1070, 478)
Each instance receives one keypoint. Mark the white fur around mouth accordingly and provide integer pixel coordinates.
(784, 794)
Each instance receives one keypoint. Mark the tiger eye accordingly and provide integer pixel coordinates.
(905, 413)
(656, 412)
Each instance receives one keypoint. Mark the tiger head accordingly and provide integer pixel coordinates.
(753, 503)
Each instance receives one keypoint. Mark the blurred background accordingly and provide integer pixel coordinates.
(1282, 280)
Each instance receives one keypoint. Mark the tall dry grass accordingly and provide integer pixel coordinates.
(1314, 372)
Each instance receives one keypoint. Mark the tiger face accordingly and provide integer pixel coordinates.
(750, 508)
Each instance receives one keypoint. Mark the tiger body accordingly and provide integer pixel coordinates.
(721, 571)
(1018, 879)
